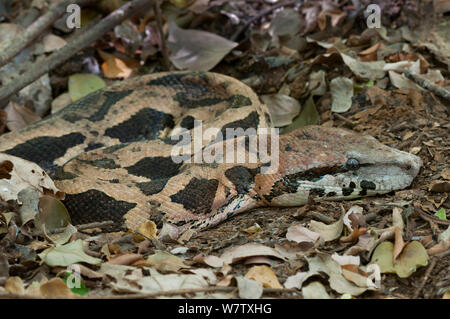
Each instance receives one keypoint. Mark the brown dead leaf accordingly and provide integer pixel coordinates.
(439, 186)
(373, 49)
(399, 244)
(56, 288)
(301, 234)
(125, 259)
(212, 261)
(18, 117)
(21, 174)
(115, 68)
(14, 285)
(264, 275)
(148, 229)
(166, 262)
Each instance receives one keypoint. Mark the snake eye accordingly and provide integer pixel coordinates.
(352, 164)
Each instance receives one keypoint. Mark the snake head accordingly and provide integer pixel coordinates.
(323, 163)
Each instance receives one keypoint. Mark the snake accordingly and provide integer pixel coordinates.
(157, 148)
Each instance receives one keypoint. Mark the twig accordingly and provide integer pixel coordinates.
(35, 29)
(76, 44)
(158, 14)
(256, 17)
(442, 92)
(322, 217)
(161, 293)
(339, 116)
(425, 278)
(429, 218)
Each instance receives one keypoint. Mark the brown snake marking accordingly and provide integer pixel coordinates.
(110, 152)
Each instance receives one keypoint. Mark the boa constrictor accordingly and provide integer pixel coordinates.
(111, 153)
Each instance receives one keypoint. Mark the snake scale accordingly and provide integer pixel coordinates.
(111, 152)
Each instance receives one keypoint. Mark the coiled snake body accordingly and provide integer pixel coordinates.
(112, 151)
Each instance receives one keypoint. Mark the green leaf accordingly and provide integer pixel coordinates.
(68, 254)
(82, 290)
(413, 256)
(441, 214)
(81, 85)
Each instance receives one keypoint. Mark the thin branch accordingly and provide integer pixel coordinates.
(158, 14)
(425, 278)
(35, 29)
(76, 44)
(442, 92)
(160, 293)
(258, 16)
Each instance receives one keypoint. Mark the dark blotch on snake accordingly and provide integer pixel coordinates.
(155, 167)
(251, 121)
(242, 178)
(346, 191)
(95, 206)
(198, 195)
(93, 146)
(152, 187)
(74, 112)
(145, 124)
(320, 192)
(44, 150)
(367, 185)
(187, 122)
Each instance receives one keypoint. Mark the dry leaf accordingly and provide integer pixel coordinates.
(148, 229)
(17, 174)
(249, 289)
(166, 262)
(315, 290)
(14, 285)
(115, 68)
(18, 117)
(342, 93)
(301, 234)
(283, 108)
(56, 288)
(196, 50)
(52, 42)
(264, 275)
(328, 232)
(235, 254)
(125, 259)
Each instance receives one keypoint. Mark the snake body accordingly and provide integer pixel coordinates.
(112, 153)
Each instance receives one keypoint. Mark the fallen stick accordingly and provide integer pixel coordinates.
(438, 90)
(76, 44)
(159, 293)
(158, 15)
(35, 29)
